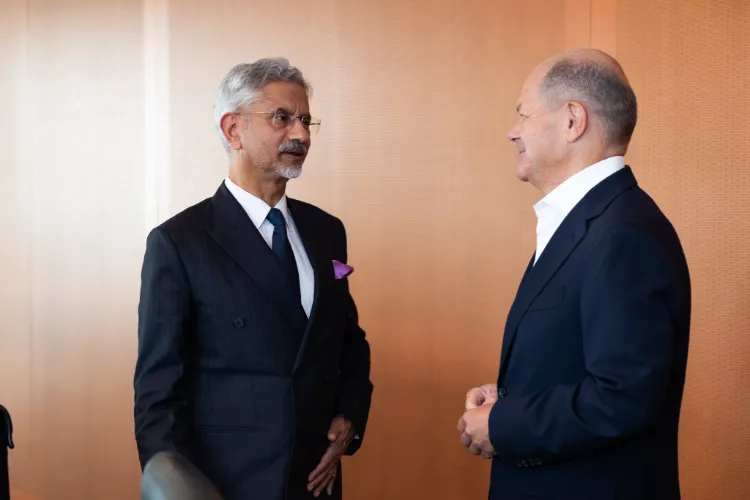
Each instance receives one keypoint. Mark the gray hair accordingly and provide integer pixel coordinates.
(244, 82)
(606, 96)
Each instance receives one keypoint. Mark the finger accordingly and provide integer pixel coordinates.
(471, 399)
(321, 487)
(325, 462)
(332, 455)
(487, 454)
(317, 484)
(461, 425)
(329, 490)
(327, 479)
(474, 449)
(342, 439)
(465, 440)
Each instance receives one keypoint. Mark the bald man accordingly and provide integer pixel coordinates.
(592, 370)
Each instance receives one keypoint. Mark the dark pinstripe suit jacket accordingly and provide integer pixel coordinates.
(230, 371)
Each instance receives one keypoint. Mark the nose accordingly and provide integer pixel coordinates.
(515, 132)
(299, 133)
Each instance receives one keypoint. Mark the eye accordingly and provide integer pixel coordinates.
(280, 118)
(305, 120)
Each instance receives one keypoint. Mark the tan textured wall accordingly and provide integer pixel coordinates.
(72, 254)
(690, 65)
(412, 155)
(108, 131)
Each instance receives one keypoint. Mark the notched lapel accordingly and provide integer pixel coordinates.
(563, 242)
(239, 237)
(566, 238)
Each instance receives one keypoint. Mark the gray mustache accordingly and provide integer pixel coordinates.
(293, 147)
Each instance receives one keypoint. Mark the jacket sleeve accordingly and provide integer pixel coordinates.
(355, 388)
(164, 317)
(627, 333)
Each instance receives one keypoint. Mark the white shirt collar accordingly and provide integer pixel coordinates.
(567, 195)
(255, 208)
(552, 210)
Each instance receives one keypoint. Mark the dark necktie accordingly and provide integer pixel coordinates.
(283, 249)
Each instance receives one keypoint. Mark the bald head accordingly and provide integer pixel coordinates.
(592, 56)
(597, 80)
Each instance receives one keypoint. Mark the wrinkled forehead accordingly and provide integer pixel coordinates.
(283, 95)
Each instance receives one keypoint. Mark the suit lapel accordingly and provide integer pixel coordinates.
(312, 237)
(563, 242)
(239, 237)
(565, 239)
(507, 338)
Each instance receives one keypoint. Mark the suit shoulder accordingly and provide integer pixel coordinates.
(635, 208)
(636, 213)
(188, 221)
(316, 213)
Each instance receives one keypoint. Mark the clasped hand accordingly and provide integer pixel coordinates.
(473, 427)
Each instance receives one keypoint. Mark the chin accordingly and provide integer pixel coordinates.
(526, 169)
(522, 174)
(289, 172)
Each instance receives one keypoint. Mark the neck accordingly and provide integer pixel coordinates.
(575, 165)
(269, 187)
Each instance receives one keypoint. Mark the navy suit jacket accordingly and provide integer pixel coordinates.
(594, 354)
(230, 372)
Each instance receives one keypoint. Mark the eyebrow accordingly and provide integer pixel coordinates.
(289, 112)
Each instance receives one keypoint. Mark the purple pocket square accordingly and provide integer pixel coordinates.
(341, 270)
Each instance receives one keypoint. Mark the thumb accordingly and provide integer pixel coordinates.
(473, 400)
(335, 430)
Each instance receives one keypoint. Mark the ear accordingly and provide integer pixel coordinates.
(229, 124)
(577, 120)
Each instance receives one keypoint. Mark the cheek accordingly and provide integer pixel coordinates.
(544, 140)
(530, 140)
(264, 145)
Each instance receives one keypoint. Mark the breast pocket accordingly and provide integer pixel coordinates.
(548, 299)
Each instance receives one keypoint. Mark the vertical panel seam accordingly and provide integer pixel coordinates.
(156, 110)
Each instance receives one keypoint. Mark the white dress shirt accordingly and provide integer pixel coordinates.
(553, 208)
(257, 210)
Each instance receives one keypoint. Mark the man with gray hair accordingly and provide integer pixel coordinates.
(587, 400)
(251, 362)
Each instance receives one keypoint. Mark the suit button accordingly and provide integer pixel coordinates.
(525, 463)
(239, 323)
(538, 461)
(518, 463)
(502, 392)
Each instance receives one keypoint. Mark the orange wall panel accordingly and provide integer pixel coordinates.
(108, 130)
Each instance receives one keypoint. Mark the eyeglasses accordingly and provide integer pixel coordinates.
(281, 119)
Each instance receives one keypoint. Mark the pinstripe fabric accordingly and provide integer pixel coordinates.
(230, 371)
